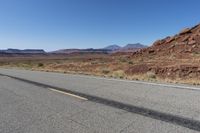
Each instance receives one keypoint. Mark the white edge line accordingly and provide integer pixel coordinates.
(140, 82)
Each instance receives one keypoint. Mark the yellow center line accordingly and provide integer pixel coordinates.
(69, 94)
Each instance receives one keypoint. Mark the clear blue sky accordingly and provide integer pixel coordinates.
(58, 24)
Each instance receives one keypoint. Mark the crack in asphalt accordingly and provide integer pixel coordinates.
(167, 117)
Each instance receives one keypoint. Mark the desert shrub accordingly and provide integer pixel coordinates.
(94, 62)
(196, 53)
(122, 60)
(40, 64)
(172, 56)
(119, 74)
(151, 75)
(24, 65)
(130, 62)
(105, 71)
(141, 60)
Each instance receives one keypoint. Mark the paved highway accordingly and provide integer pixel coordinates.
(41, 102)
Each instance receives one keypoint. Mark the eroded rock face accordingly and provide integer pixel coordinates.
(172, 72)
(137, 69)
(179, 72)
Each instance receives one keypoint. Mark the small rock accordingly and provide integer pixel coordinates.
(170, 39)
(185, 31)
(159, 42)
(197, 39)
(191, 42)
(181, 43)
(185, 38)
(176, 37)
(158, 50)
(172, 46)
(151, 51)
(193, 46)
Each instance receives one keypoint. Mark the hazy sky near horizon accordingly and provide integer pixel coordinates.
(58, 24)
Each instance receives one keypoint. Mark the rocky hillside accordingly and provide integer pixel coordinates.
(185, 42)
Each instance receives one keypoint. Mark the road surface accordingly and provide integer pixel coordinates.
(41, 102)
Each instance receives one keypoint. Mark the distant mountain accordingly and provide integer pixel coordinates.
(113, 47)
(90, 50)
(133, 46)
(108, 49)
(127, 48)
(25, 51)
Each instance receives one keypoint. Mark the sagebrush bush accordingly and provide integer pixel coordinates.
(105, 71)
(130, 62)
(119, 74)
(40, 64)
(151, 75)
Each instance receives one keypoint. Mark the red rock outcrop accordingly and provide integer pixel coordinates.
(177, 56)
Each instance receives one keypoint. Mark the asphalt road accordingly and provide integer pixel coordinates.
(41, 102)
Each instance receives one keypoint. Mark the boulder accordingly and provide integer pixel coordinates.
(170, 39)
(151, 51)
(181, 43)
(197, 39)
(185, 31)
(159, 42)
(193, 46)
(191, 42)
(185, 38)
